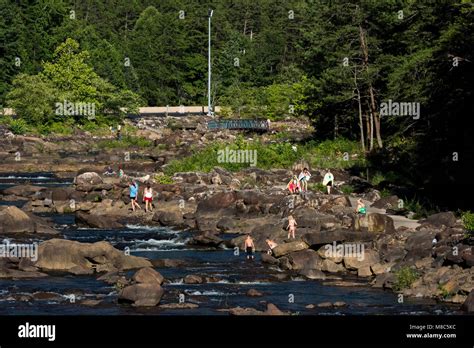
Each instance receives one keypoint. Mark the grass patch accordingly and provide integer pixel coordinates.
(126, 142)
(405, 277)
(347, 189)
(327, 154)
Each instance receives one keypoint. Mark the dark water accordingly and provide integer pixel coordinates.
(233, 274)
(37, 178)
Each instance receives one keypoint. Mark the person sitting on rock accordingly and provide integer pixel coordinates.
(249, 247)
(361, 210)
(291, 226)
(294, 185)
(271, 245)
(109, 171)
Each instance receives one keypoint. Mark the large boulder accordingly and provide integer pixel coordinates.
(468, 305)
(206, 239)
(286, 248)
(374, 223)
(142, 294)
(367, 259)
(168, 218)
(339, 235)
(220, 200)
(386, 202)
(447, 219)
(14, 220)
(98, 221)
(305, 259)
(88, 178)
(148, 275)
(24, 190)
(77, 258)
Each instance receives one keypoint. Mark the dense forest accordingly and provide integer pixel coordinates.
(396, 76)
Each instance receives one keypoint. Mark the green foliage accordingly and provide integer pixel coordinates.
(405, 276)
(468, 220)
(317, 186)
(125, 142)
(164, 179)
(18, 126)
(347, 189)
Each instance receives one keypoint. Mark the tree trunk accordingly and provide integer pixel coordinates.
(375, 117)
(361, 125)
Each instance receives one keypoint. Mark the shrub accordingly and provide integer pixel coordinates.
(468, 220)
(18, 126)
(347, 189)
(405, 276)
(164, 179)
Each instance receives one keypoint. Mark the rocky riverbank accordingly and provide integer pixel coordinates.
(437, 253)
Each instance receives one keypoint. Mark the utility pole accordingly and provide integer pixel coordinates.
(209, 112)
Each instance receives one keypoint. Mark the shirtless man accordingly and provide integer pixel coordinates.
(291, 226)
(249, 247)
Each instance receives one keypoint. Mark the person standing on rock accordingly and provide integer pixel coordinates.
(249, 247)
(361, 210)
(328, 181)
(134, 195)
(291, 226)
(303, 178)
(148, 198)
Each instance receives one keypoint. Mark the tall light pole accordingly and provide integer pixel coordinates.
(209, 113)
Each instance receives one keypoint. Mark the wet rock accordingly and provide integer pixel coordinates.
(24, 190)
(98, 221)
(254, 293)
(207, 239)
(324, 305)
(46, 296)
(90, 302)
(273, 310)
(193, 279)
(168, 263)
(72, 256)
(244, 311)
(312, 274)
(266, 258)
(339, 304)
(148, 275)
(142, 295)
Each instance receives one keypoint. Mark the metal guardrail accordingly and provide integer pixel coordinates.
(256, 124)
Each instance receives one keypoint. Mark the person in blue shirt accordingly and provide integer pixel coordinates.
(134, 195)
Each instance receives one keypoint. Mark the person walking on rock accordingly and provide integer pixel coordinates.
(291, 226)
(328, 181)
(303, 178)
(249, 247)
(134, 194)
(148, 198)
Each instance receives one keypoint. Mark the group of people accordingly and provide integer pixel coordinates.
(299, 184)
(147, 196)
(249, 245)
